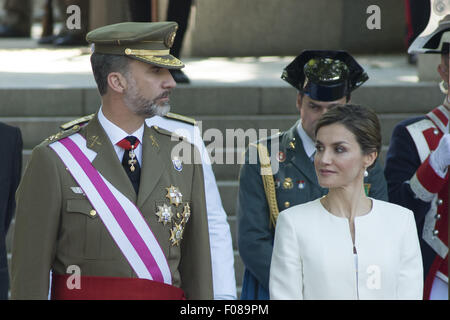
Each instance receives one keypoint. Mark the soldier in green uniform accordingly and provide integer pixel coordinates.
(284, 173)
(106, 199)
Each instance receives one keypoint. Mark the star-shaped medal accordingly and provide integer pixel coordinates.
(164, 213)
(174, 195)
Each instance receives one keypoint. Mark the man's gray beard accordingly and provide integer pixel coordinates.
(142, 106)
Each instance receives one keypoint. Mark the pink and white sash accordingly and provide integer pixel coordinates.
(121, 217)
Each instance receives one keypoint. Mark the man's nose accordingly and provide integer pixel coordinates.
(169, 82)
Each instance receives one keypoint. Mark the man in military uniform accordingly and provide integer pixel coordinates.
(106, 201)
(284, 175)
(417, 163)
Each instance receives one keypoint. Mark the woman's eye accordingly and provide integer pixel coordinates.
(339, 149)
(319, 148)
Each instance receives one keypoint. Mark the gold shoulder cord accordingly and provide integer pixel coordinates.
(269, 185)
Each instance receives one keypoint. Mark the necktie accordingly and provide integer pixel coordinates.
(129, 160)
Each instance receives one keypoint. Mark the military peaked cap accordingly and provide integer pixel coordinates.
(149, 42)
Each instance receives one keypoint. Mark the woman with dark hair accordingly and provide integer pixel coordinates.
(346, 245)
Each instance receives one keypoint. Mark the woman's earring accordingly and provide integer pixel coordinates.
(443, 86)
(365, 173)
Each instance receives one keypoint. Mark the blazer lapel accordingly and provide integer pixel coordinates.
(153, 164)
(106, 161)
(297, 155)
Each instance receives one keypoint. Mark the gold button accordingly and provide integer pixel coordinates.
(93, 213)
(287, 204)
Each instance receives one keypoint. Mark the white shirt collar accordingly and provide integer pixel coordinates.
(308, 143)
(115, 134)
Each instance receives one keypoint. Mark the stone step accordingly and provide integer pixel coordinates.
(36, 129)
(198, 100)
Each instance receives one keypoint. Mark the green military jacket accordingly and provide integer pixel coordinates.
(57, 227)
(295, 183)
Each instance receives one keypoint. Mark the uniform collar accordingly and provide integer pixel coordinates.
(440, 117)
(308, 143)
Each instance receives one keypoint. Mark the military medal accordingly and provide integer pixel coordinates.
(164, 213)
(176, 234)
(186, 213)
(132, 160)
(177, 164)
(301, 184)
(174, 195)
(287, 184)
(281, 156)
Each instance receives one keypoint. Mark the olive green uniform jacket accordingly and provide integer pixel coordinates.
(55, 227)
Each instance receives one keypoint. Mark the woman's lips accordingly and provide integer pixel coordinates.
(324, 172)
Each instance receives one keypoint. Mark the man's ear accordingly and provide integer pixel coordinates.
(117, 82)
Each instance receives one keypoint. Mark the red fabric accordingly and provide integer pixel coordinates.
(430, 277)
(429, 179)
(114, 288)
(125, 144)
(441, 116)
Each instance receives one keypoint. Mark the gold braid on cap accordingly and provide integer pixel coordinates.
(145, 52)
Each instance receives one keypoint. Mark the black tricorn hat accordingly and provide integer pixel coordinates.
(325, 75)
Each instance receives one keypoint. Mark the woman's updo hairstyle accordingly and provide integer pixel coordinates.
(359, 120)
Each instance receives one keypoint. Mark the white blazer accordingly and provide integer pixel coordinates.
(313, 255)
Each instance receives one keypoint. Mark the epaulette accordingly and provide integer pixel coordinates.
(180, 117)
(167, 133)
(62, 134)
(78, 121)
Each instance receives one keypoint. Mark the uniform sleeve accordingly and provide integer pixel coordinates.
(377, 181)
(286, 274)
(255, 235)
(222, 256)
(402, 163)
(16, 173)
(37, 219)
(410, 283)
(195, 266)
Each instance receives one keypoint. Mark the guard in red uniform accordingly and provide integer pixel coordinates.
(417, 163)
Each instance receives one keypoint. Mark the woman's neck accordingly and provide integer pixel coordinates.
(348, 202)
